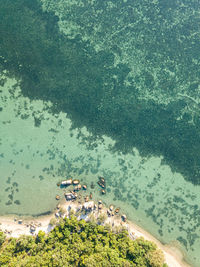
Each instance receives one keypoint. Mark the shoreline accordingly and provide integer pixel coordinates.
(10, 223)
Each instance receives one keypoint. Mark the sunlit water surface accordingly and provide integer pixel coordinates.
(39, 149)
(129, 71)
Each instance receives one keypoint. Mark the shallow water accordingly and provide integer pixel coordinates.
(105, 88)
(34, 158)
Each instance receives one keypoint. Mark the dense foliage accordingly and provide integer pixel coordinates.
(79, 243)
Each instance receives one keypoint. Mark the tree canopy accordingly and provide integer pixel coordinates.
(79, 243)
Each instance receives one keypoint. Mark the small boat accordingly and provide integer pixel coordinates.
(76, 182)
(102, 180)
(100, 184)
(79, 186)
(103, 192)
(111, 207)
(123, 218)
(69, 196)
(66, 182)
(116, 210)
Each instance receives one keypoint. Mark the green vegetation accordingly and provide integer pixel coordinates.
(53, 221)
(78, 243)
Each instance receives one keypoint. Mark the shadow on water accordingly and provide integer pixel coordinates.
(82, 82)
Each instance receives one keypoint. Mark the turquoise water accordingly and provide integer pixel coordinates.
(34, 158)
(107, 88)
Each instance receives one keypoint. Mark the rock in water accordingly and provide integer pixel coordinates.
(92, 185)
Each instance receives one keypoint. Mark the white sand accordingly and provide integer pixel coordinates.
(8, 223)
(173, 256)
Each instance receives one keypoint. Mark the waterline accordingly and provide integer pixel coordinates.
(35, 157)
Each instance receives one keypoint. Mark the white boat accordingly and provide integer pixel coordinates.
(66, 182)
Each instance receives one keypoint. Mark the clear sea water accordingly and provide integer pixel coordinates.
(108, 88)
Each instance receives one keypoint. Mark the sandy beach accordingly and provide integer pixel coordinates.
(15, 226)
